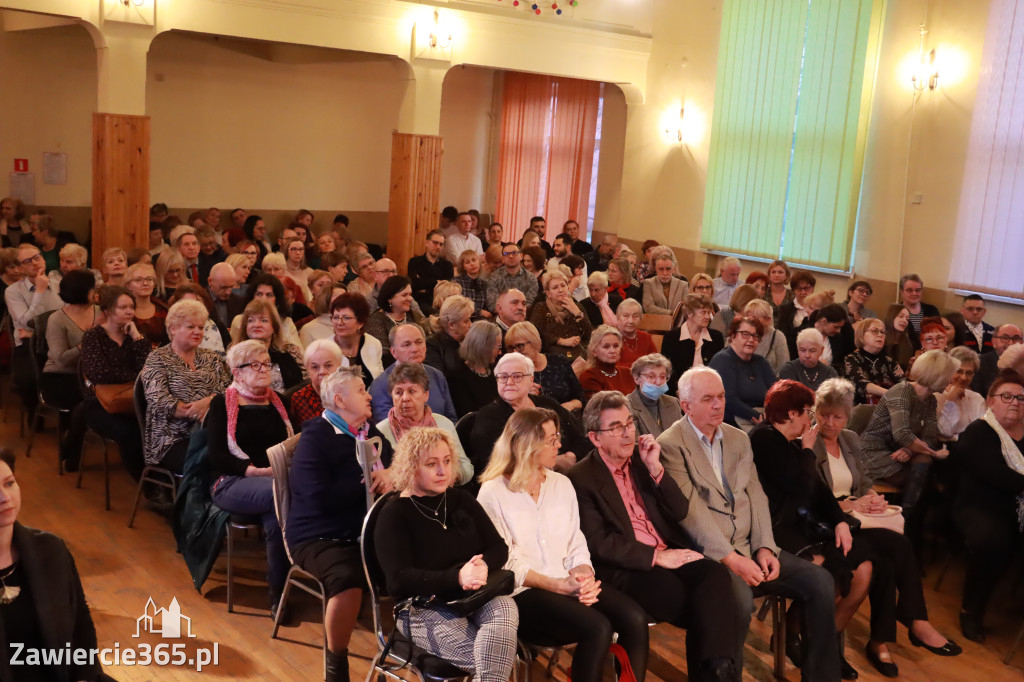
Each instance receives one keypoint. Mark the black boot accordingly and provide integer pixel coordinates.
(846, 671)
(337, 666)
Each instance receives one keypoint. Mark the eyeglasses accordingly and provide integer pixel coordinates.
(33, 259)
(703, 287)
(145, 280)
(862, 290)
(510, 253)
(343, 319)
(519, 347)
(387, 271)
(435, 242)
(934, 338)
(803, 288)
(257, 366)
(1011, 339)
(1010, 397)
(514, 377)
(296, 249)
(555, 440)
(876, 331)
(746, 336)
(619, 430)
(654, 378)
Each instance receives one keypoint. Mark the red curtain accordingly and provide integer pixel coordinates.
(547, 151)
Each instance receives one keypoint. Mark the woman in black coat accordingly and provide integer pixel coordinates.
(42, 604)
(990, 497)
(680, 343)
(452, 325)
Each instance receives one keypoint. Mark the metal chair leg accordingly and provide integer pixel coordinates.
(231, 573)
(138, 495)
(779, 627)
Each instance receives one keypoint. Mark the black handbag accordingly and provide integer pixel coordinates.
(499, 583)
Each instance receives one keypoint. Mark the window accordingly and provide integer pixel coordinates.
(789, 129)
(990, 224)
(549, 151)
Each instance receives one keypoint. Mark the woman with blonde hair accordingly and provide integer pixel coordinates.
(473, 286)
(140, 280)
(536, 512)
(692, 343)
(603, 372)
(239, 262)
(274, 264)
(261, 322)
(553, 374)
(170, 272)
(773, 346)
(442, 291)
(778, 292)
(115, 264)
(433, 539)
(563, 326)
(870, 369)
(451, 324)
(702, 284)
(321, 326)
(296, 268)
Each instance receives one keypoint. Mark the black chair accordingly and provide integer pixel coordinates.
(153, 474)
(463, 428)
(103, 443)
(47, 405)
(777, 606)
(403, 653)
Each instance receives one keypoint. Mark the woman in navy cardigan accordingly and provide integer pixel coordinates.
(746, 375)
(328, 503)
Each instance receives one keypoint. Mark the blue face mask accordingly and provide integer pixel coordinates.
(653, 391)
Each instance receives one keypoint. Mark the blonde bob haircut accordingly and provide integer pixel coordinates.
(598, 278)
(75, 252)
(515, 454)
(523, 332)
(861, 328)
(759, 308)
(444, 290)
(552, 275)
(275, 259)
(934, 369)
(596, 338)
(236, 260)
(455, 308)
(413, 446)
(245, 352)
(186, 311)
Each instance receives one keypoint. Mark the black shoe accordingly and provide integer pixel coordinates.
(795, 650)
(971, 628)
(337, 666)
(274, 604)
(718, 670)
(887, 668)
(847, 671)
(950, 648)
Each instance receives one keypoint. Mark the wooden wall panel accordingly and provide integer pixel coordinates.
(120, 182)
(414, 206)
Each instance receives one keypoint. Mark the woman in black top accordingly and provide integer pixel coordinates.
(680, 343)
(451, 326)
(242, 423)
(42, 605)
(260, 322)
(990, 499)
(433, 540)
(553, 375)
(807, 519)
(472, 384)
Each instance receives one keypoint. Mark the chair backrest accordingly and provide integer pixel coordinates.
(286, 397)
(464, 427)
(280, 457)
(861, 417)
(372, 568)
(39, 345)
(139, 399)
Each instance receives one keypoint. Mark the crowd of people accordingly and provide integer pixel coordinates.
(529, 422)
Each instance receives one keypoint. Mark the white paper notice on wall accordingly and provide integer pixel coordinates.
(55, 168)
(23, 186)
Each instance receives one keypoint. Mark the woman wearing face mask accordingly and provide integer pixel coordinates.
(653, 410)
(603, 372)
(870, 369)
(808, 368)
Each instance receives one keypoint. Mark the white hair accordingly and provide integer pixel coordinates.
(810, 335)
(730, 260)
(179, 232)
(685, 386)
(325, 345)
(1012, 357)
(333, 383)
(630, 304)
(243, 352)
(509, 358)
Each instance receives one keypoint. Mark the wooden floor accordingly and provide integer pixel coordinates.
(122, 568)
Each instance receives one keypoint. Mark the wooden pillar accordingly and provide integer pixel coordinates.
(120, 183)
(414, 205)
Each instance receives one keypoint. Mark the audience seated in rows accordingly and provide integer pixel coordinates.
(653, 411)
(564, 328)
(349, 313)
(408, 345)
(553, 374)
(603, 371)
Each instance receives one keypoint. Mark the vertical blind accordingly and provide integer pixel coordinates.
(789, 128)
(990, 224)
(546, 155)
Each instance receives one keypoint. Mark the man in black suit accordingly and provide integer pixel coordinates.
(579, 246)
(977, 332)
(210, 252)
(225, 304)
(630, 513)
(426, 270)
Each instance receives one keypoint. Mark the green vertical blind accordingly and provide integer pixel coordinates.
(789, 128)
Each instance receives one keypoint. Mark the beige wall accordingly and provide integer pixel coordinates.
(468, 121)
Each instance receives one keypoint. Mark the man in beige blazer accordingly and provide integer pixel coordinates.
(730, 522)
(655, 298)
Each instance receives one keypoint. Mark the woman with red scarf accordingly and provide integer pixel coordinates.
(242, 423)
(409, 385)
(620, 281)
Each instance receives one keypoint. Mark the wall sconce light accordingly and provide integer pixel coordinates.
(927, 73)
(440, 36)
(130, 3)
(673, 126)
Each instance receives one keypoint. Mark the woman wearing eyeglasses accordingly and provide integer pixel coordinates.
(241, 424)
(149, 314)
(870, 369)
(349, 313)
(514, 377)
(261, 323)
(553, 375)
(295, 266)
(652, 410)
(857, 296)
(746, 375)
(990, 501)
(535, 511)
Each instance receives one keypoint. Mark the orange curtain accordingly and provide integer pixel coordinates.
(547, 151)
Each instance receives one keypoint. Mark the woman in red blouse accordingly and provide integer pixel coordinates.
(603, 372)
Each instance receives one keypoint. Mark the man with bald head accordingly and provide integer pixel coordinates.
(1004, 337)
(510, 308)
(409, 344)
(598, 259)
(225, 304)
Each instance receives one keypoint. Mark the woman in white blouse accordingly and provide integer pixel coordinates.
(958, 405)
(536, 512)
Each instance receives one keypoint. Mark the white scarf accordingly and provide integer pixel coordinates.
(1013, 457)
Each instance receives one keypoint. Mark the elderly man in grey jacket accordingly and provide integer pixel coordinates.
(729, 518)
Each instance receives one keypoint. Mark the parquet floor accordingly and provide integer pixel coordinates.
(122, 568)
